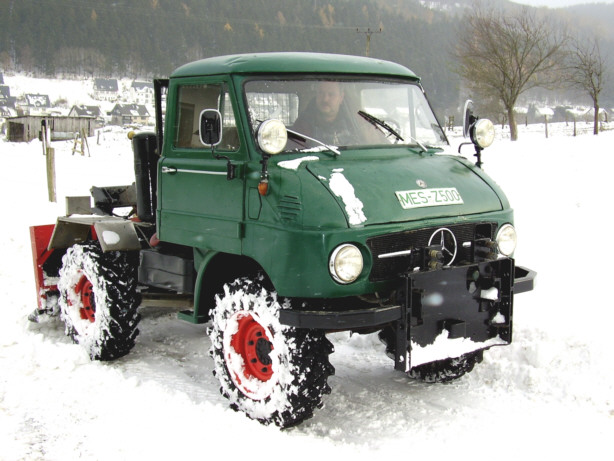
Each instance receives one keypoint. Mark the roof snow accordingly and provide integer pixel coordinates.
(105, 84)
(142, 86)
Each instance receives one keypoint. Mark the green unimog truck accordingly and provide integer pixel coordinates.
(290, 195)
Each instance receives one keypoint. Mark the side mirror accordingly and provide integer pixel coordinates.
(210, 130)
(468, 117)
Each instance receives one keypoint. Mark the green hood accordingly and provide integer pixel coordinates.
(388, 189)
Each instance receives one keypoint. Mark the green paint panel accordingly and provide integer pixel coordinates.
(366, 188)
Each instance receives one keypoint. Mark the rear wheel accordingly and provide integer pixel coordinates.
(98, 300)
(271, 372)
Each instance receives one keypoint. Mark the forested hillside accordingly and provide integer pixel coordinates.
(144, 38)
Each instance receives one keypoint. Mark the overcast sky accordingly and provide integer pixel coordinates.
(559, 3)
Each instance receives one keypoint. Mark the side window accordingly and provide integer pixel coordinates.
(191, 101)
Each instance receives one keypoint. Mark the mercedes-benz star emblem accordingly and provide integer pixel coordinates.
(421, 183)
(447, 240)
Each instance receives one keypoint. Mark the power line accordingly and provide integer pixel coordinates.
(368, 32)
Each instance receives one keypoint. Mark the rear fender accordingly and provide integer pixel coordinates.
(114, 234)
(50, 241)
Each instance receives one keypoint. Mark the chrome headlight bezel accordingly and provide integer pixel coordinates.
(483, 133)
(506, 239)
(272, 136)
(346, 263)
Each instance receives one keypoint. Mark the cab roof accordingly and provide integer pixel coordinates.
(290, 63)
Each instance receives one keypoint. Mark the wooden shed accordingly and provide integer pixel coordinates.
(28, 127)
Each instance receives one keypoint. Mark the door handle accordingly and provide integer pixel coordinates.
(169, 169)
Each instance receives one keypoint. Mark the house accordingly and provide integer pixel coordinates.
(38, 101)
(34, 104)
(88, 111)
(5, 97)
(142, 93)
(129, 114)
(6, 112)
(106, 89)
(85, 111)
(544, 113)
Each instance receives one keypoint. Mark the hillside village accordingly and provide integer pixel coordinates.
(73, 106)
(90, 104)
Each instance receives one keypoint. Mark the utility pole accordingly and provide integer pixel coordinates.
(368, 34)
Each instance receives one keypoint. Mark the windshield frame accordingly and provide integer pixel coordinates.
(360, 83)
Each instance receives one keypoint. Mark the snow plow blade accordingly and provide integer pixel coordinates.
(46, 264)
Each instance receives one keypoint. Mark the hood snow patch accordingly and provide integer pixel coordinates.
(294, 164)
(342, 188)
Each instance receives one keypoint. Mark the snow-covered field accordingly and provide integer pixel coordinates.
(548, 395)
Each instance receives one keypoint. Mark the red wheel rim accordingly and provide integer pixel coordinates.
(252, 343)
(85, 291)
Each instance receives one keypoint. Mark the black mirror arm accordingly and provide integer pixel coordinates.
(478, 152)
(231, 169)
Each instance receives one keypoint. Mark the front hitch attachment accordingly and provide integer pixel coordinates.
(472, 302)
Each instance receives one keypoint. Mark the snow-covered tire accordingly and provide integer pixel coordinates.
(99, 301)
(271, 372)
(440, 371)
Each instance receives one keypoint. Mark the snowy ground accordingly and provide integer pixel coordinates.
(550, 394)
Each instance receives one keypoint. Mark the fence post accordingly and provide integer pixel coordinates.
(49, 153)
(84, 140)
(44, 135)
(51, 173)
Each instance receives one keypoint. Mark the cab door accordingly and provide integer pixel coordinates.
(197, 205)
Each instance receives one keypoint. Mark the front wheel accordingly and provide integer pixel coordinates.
(98, 300)
(271, 372)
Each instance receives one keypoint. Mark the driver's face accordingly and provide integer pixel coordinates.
(328, 99)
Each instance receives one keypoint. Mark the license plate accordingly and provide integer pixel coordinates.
(429, 197)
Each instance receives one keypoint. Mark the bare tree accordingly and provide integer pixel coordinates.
(587, 71)
(502, 54)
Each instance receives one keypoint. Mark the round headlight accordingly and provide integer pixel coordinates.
(483, 133)
(345, 263)
(272, 136)
(506, 239)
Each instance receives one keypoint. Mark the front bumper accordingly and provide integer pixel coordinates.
(474, 302)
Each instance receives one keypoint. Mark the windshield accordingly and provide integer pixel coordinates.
(345, 113)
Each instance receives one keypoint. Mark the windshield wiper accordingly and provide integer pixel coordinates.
(380, 123)
(302, 138)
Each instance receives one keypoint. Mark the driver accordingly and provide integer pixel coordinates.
(325, 120)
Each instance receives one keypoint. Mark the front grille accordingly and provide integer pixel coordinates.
(389, 268)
